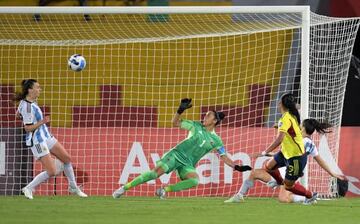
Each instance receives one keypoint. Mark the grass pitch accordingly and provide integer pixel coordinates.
(144, 210)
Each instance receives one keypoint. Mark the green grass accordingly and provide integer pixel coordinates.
(146, 210)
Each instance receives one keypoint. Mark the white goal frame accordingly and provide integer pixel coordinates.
(303, 10)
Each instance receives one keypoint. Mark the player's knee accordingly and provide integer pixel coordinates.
(285, 200)
(67, 159)
(51, 172)
(160, 170)
(284, 197)
(254, 174)
(265, 167)
(194, 181)
(288, 186)
(154, 174)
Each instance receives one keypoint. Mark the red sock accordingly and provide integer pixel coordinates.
(300, 190)
(276, 175)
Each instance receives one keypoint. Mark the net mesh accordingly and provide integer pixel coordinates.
(114, 118)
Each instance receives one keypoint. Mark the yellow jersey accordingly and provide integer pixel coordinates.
(292, 145)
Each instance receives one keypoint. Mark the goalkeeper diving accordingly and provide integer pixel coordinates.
(183, 158)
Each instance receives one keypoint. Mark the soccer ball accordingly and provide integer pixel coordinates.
(76, 62)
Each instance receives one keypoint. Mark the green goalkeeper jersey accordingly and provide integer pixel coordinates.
(198, 143)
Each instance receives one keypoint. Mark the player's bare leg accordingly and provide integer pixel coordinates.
(59, 151)
(272, 168)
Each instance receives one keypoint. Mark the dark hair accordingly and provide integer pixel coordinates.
(26, 84)
(311, 125)
(219, 116)
(289, 102)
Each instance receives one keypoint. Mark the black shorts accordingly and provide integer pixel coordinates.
(294, 165)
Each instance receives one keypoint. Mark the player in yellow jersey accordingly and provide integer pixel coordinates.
(292, 154)
(308, 128)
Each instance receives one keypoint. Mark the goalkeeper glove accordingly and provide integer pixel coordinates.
(185, 104)
(242, 168)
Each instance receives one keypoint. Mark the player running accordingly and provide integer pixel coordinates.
(308, 128)
(201, 140)
(292, 154)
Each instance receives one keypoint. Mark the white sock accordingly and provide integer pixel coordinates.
(298, 198)
(41, 177)
(69, 173)
(245, 187)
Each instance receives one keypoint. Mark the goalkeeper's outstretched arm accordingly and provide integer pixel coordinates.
(227, 161)
(185, 104)
(230, 162)
(176, 120)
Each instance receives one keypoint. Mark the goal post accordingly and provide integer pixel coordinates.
(158, 10)
(114, 117)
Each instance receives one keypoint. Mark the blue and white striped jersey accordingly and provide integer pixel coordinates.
(31, 114)
(310, 147)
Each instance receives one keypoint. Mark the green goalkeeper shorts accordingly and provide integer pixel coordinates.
(182, 171)
(169, 163)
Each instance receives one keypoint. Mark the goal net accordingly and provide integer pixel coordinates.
(114, 117)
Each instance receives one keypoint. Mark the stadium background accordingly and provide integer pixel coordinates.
(99, 87)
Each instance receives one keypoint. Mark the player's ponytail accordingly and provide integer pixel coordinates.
(289, 102)
(26, 84)
(219, 116)
(311, 125)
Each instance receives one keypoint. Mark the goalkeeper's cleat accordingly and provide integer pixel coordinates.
(27, 193)
(237, 198)
(78, 192)
(273, 184)
(117, 193)
(161, 193)
(312, 200)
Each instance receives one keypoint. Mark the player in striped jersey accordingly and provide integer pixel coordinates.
(41, 141)
(308, 128)
(292, 154)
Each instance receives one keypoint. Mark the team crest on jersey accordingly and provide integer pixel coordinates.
(280, 124)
